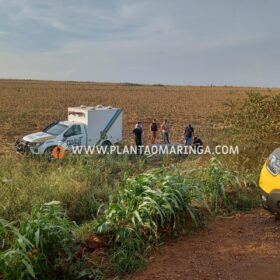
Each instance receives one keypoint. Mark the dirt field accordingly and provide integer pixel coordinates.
(28, 106)
(245, 246)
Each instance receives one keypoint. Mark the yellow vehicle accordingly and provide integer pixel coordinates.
(270, 183)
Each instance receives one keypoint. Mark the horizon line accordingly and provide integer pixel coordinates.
(127, 83)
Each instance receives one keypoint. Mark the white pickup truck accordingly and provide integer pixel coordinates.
(86, 126)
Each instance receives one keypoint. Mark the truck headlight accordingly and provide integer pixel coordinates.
(273, 163)
(36, 145)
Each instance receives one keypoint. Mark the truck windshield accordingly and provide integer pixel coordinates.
(56, 129)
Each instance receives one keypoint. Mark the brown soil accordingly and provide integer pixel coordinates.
(243, 246)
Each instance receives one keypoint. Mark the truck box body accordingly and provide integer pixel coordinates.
(102, 123)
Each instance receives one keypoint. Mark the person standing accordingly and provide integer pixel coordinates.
(189, 132)
(138, 137)
(154, 129)
(165, 128)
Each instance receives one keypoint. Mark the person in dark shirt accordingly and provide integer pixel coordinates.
(138, 137)
(189, 132)
(154, 129)
(197, 144)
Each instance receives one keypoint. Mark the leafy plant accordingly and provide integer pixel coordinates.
(43, 244)
(142, 209)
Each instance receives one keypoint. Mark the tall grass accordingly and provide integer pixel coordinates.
(80, 183)
(224, 190)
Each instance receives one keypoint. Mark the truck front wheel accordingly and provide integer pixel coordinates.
(48, 153)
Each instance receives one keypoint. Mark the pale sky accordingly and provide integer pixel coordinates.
(184, 42)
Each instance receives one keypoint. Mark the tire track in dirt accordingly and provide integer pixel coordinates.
(243, 246)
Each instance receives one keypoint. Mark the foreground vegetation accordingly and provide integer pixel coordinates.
(80, 183)
(142, 210)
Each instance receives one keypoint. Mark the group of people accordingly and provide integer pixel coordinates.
(189, 138)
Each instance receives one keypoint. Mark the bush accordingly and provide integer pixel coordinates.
(255, 128)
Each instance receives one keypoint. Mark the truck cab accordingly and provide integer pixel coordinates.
(86, 126)
(68, 133)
